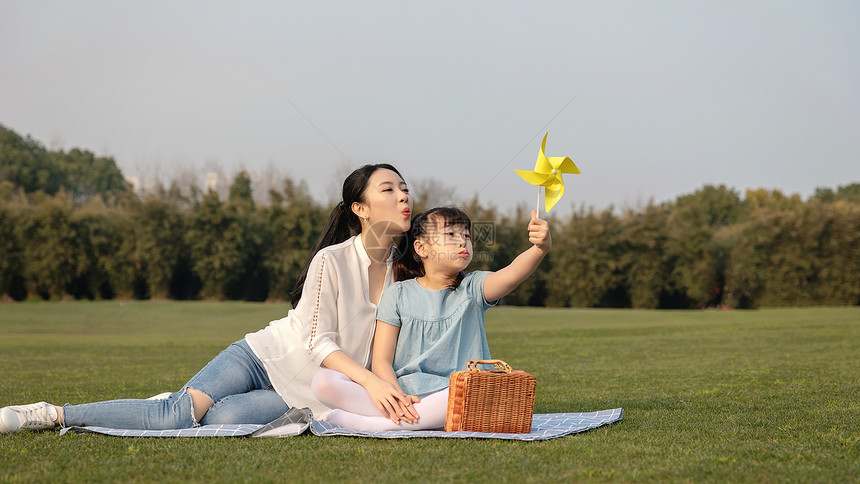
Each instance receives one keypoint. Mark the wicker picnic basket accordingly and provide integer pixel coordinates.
(500, 400)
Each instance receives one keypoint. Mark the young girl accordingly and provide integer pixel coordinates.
(258, 378)
(430, 324)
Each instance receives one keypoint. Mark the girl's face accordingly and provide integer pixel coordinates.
(387, 205)
(445, 247)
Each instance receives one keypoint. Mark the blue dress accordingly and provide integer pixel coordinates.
(440, 331)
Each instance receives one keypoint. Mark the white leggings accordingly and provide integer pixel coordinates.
(353, 408)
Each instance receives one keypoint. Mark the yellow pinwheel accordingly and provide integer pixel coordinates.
(547, 174)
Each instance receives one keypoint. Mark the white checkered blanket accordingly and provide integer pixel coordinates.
(298, 421)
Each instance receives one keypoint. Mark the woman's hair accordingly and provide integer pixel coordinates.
(342, 221)
(410, 266)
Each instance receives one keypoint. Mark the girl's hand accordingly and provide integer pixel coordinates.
(539, 233)
(392, 401)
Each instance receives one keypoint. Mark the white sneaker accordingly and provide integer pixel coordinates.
(36, 416)
(160, 396)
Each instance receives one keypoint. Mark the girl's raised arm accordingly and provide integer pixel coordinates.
(505, 280)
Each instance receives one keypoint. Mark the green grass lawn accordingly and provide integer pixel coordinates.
(767, 395)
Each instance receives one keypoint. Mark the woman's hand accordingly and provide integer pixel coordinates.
(392, 401)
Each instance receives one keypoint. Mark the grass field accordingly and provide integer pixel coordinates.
(741, 396)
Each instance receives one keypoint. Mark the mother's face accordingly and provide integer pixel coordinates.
(387, 204)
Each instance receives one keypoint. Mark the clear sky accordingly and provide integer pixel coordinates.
(667, 96)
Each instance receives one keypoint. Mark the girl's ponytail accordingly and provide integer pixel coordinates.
(408, 265)
(342, 221)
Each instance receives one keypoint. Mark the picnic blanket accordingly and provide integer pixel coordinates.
(299, 420)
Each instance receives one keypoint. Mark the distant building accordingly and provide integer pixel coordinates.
(212, 181)
(135, 184)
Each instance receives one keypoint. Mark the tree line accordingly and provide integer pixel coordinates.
(71, 228)
(27, 164)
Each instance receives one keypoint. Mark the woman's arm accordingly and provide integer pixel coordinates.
(505, 280)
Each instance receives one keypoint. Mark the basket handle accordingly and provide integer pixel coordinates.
(499, 364)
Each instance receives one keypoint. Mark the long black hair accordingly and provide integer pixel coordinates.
(409, 266)
(342, 221)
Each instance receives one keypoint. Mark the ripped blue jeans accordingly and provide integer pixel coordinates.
(235, 380)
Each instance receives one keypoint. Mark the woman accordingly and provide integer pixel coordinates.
(258, 378)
